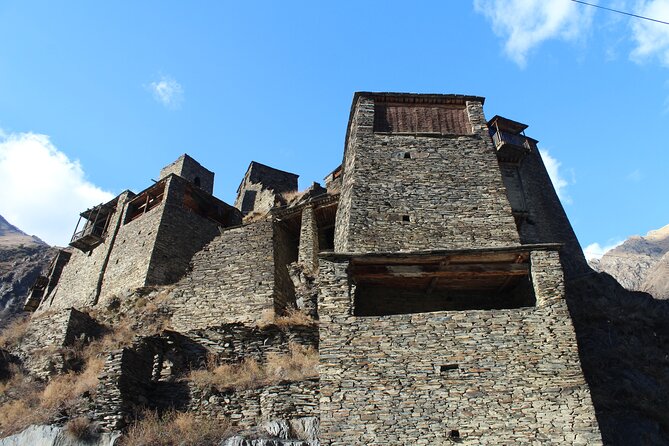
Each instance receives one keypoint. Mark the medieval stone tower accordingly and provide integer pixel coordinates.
(438, 321)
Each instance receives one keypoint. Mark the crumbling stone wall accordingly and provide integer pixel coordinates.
(232, 279)
(48, 332)
(496, 377)
(261, 187)
(414, 191)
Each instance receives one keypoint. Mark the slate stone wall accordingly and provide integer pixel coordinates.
(247, 408)
(153, 249)
(47, 333)
(261, 186)
(232, 279)
(413, 192)
(308, 253)
(496, 377)
(547, 220)
(181, 234)
(80, 278)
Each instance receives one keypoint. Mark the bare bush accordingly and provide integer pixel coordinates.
(82, 429)
(173, 429)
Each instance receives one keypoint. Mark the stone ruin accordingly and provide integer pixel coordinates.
(434, 261)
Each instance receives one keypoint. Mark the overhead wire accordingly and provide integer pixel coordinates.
(621, 12)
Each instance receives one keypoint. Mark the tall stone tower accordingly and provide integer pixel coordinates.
(439, 322)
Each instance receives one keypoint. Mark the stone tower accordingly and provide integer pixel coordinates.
(438, 321)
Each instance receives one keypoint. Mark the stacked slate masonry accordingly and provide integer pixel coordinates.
(434, 261)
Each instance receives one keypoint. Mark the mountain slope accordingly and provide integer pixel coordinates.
(22, 259)
(641, 263)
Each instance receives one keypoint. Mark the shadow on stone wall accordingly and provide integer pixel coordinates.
(623, 339)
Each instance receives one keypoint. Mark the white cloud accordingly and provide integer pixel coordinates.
(168, 92)
(559, 182)
(596, 251)
(42, 191)
(525, 24)
(651, 38)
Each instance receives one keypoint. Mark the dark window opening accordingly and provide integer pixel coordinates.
(405, 218)
(286, 251)
(454, 435)
(407, 155)
(196, 181)
(326, 238)
(248, 202)
(447, 367)
(382, 300)
(145, 201)
(387, 285)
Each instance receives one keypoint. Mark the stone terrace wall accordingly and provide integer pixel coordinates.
(448, 195)
(234, 342)
(232, 279)
(48, 332)
(248, 408)
(123, 390)
(497, 377)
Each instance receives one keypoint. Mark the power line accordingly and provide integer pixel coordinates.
(621, 12)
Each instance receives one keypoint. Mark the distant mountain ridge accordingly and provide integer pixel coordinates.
(641, 263)
(10, 235)
(22, 259)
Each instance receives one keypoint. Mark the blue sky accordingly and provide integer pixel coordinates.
(95, 97)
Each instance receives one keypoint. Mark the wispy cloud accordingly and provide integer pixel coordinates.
(558, 179)
(651, 38)
(42, 191)
(596, 251)
(168, 92)
(634, 176)
(526, 24)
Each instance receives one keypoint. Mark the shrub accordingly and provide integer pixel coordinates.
(81, 429)
(173, 429)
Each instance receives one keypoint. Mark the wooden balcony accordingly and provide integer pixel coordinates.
(511, 148)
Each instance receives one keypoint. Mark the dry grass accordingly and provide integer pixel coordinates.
(301, 363)
(29, 402)
(293, 318)
(65, 390)
(291, 196)
(175, 429)
(81, 429)
(12, 335)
